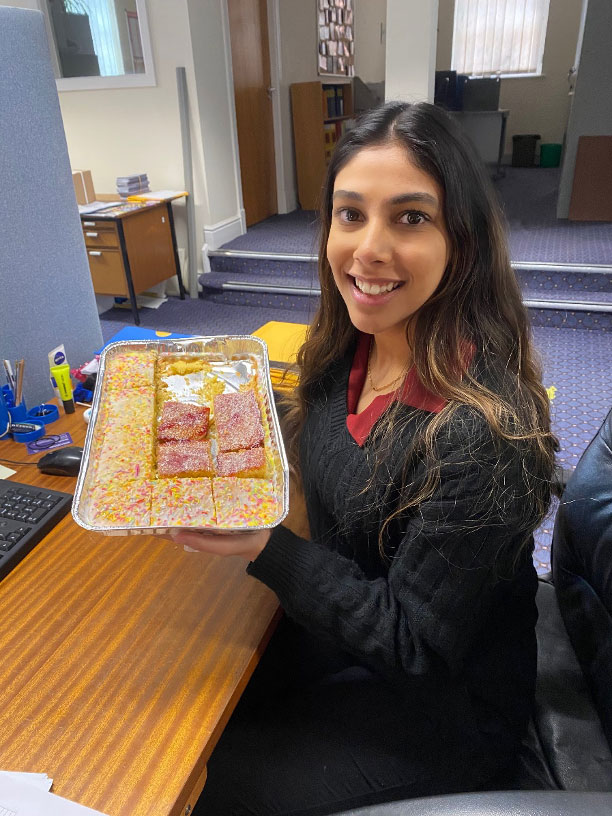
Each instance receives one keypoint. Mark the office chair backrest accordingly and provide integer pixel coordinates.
(582, 567)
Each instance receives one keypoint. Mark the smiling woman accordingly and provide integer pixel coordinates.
(388, 248)
(420, 433)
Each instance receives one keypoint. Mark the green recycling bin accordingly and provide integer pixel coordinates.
(550, 155)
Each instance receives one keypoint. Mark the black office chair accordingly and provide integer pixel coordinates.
(566, 762)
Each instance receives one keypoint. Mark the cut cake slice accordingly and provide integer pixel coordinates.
(238, 421)
(245, 502)
(184, 458)
(182, 503)
(180, 420)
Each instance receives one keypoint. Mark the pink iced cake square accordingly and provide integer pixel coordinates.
(116, 504)
(181, 420)
(244, 463)
(185, 458)
(238, 421)
(182, 503)
(245, 502)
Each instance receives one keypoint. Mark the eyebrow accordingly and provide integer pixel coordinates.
(404, 198)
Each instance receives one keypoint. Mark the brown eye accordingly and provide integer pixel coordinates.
(414, 218)
(347, 215)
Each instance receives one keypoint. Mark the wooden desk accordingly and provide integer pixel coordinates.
(131, 251)
(122, 659)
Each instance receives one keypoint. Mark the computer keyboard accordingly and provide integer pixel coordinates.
(27, 514)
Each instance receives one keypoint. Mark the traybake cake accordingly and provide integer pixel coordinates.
(177, 444)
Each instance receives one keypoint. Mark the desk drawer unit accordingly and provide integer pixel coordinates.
(107, 272)
(100, 235)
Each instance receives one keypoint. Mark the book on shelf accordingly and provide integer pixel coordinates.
(339, 100)
(329, 103)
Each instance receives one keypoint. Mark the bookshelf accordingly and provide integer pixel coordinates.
(321, 112)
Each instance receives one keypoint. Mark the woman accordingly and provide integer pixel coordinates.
(405, 665)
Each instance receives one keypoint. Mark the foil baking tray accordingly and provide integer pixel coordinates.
(235, 360)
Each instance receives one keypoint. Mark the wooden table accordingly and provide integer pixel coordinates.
(122, 659)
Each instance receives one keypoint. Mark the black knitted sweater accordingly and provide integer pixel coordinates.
(449, 612)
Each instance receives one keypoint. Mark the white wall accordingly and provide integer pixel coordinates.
(411, 50)
(536, 104)
(298, 59)
(208, 39)
(370, 15)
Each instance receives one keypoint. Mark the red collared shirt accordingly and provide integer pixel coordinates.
(411, 393)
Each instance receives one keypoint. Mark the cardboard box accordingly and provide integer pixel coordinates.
(83, 186)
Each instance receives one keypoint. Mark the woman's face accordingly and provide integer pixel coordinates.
(388, 244)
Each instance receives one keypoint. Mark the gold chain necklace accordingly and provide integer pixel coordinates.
(389, 384)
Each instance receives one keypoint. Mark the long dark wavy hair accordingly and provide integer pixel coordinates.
(477, 302)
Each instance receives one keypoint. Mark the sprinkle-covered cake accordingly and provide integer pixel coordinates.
(121, 504)
(244, 502)
(182, 503)
(175, 444)
(131, 369)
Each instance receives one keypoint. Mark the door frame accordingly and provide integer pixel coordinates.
(273, 17)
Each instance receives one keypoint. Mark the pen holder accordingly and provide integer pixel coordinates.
(5, 422)
(18, 413)
(43, 414)
(6, 392)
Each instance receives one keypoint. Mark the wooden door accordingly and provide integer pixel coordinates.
(251, 68)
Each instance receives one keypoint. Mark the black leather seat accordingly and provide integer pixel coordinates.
(566, 763)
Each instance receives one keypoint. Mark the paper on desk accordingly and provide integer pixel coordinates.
(157, 195)
(95, 206)
(18, 798)
(39, 780)
(6, 472)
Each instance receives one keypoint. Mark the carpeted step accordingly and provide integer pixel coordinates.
(300, 278)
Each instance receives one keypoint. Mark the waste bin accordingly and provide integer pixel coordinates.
(523, 150)
(550, 155)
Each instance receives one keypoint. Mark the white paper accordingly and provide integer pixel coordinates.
(6, 472)
(160, 195)
(18, 798)
(97, 206)
(39, 780)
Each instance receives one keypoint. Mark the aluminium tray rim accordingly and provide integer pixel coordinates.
(179, 346)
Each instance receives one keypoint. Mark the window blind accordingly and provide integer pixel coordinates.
(499, 36)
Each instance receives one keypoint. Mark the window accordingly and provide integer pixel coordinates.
(98, 43)
(499, 36)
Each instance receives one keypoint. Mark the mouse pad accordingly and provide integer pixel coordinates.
(49, 443)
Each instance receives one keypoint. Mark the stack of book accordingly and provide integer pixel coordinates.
(129, 185)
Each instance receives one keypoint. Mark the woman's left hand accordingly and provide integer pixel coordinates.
(246, 545)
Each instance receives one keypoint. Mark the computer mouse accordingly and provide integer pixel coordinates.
(62, 462)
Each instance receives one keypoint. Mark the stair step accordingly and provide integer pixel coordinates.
(555, 294)
(263, 256)
(257, 282)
